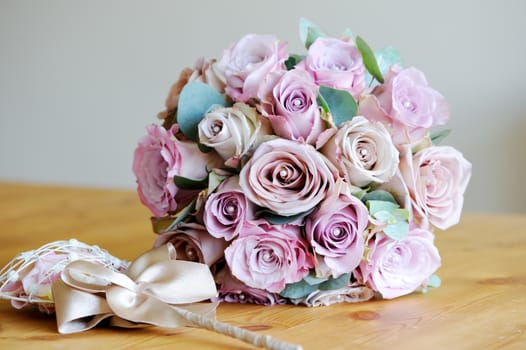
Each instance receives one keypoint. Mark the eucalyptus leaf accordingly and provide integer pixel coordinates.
(309, 32)
(298, 290)
(376, 206)
(433, 281)
(385, 58)
(438, 136)
(293, 60)
(400, 214)
(379, 195)
(384, 216)
(313, 280)
(397, 230)
(195, 100)
(369, 60)
(189, 184)
(341, 104)
(347, 33)
(336, 283)
(276, 219)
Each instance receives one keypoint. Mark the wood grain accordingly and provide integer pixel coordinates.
(481, 304)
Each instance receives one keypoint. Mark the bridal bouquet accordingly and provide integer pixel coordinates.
(313, 178)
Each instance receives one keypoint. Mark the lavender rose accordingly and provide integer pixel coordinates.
(287, 177)
(193, 243)
(246, 63)
(232, 131)
(158, 158)
(289, 101)
(335, 232)
(227, 210)
(407, 103)
(269, 256)
(436, 178)
(363, 152)
(232, 290)
(396, 268)
(336, 63)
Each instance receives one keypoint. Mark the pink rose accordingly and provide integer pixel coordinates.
(337, 64)
(227, 210)
(158, 158)
(287, 177)
(407, 103)
(335, 232)
(232, 290)
(395, 268)
(436, 178)
(289, 101)
(246, 63)
(193, 243)
(363, 152)
(269, 256)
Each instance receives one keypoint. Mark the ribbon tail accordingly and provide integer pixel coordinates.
(78, 311)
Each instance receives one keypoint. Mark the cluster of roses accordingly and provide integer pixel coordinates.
(291, 176)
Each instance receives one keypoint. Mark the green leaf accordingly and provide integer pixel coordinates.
(397, 230)
(276, 219)
(341, 104)
(189, 184)
(214, 180)
(385, 58)
(323, 104)
(400, 214)
(298, 290)
(434, 281)
(438, 136)
(369, 59)
(376, 206)
(293, 60)
(313, 280)
(379, 195)
(182, 214)
(309, 32)
(347, 33)
(194, 101)
(336, 283)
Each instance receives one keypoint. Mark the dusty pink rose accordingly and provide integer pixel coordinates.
(335, 232)
(227, 210)
(232, 290)
(395, 268)
(436, 178)
(336, 63)
(289, 101)
(287, 177)
(160, 156)
(363, 152)
(407, 103)
(192, 242)
(269, 256)
(246, 63)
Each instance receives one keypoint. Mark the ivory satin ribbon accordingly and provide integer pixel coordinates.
(148, 294)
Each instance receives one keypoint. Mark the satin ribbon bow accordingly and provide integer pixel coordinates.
(153, 288)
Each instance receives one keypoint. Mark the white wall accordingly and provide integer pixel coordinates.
(79, 80)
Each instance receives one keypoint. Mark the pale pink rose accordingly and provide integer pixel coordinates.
(159, 157)
(192, 242)
(289, 101)
(287, 177)
(436, 178)
(335, 232)
(407, 104)
(269, 256)
(227, 210)
(363, 152)
(336, 63)
(246, 63)
(231, 290)
(233, 131)
(399, 267)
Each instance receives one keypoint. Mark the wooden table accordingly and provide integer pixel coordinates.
(481, 304)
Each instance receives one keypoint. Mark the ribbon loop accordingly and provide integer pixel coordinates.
(153, 286)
